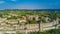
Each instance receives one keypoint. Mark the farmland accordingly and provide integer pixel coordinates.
(19, 19)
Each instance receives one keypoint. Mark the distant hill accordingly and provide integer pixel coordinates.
(31, 10)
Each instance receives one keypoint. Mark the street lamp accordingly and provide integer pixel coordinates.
(39, 21)
(25, 30)
(26, 27)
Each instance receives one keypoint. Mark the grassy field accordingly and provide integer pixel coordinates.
(20, 13)
(54, 31)
(51, 14)
(42, 13)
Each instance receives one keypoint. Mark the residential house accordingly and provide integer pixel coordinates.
(13, 14)
(2, 19)
(23, 19)
(33, 17)
(12, 21)
(47, 19)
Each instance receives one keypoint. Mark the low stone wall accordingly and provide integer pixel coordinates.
(29, 27)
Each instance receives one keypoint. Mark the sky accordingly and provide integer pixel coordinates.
(29, 4)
